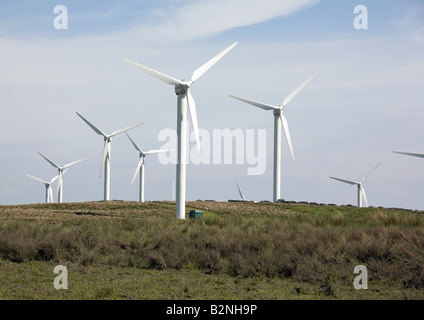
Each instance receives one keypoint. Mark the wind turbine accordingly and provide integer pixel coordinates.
(106, 152)
(361, 191)
(279, 120)
(182, 90)
(240, 191)
(61, 171)
(49, 193)
(140, 166)
(419, 155)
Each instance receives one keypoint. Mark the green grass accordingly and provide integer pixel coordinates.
(128, 250)
(34, 281)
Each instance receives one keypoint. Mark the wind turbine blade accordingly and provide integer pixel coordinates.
(287, 133)
(98, 131)
(239, 190)
(193, 116)
(369, 173)
(364, 196)
(137, 169)
(136, 146)
(51, 162)
(105, 148)
(420, 155)
(55, 178)
(295, 92)
(72, 163)
(205, 67)
(59, 184)
(38, 179)
(255, 103)
(115, 133)
(156, 74)
(345, 181)
(158, 151)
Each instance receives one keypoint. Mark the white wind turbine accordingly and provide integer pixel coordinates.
(60, 175)
(361, 191)
(140, 165)
(47, 184)
(182, 89)
(279, 120)
(240, 191)
(419, 155)
(106, 152)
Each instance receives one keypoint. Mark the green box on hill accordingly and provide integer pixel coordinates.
(195, 214)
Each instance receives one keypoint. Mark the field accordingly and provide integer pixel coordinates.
(239, 250)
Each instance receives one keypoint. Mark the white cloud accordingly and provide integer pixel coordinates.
(205, 18)
(364, 103)
(94, 15)
(412, 22)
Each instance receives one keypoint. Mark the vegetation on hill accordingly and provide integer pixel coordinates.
(311, 249)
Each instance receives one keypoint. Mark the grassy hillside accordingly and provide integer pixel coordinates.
(239, 250)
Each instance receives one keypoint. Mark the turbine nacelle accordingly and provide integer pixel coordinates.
(277, 111)
(181, 89)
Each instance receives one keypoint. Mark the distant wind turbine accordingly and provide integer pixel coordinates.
(49, 193)
(106, 152)
(240, 191)
(140, 165)
(361, 191)
(419, 155)
(60, 175)
(182, 89)
(279, 120)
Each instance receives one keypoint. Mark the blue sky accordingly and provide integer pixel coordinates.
(365, 102)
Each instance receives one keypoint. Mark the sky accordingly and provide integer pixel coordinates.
(365, 102)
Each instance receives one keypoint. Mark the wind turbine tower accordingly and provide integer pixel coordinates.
(47, 184)
(106, 153)
(361, 190)
(140, 166)
(182, 90)
(279, 120)
(60, 174)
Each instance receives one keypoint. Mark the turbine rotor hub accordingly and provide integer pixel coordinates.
(182, 88)
(277, 112)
